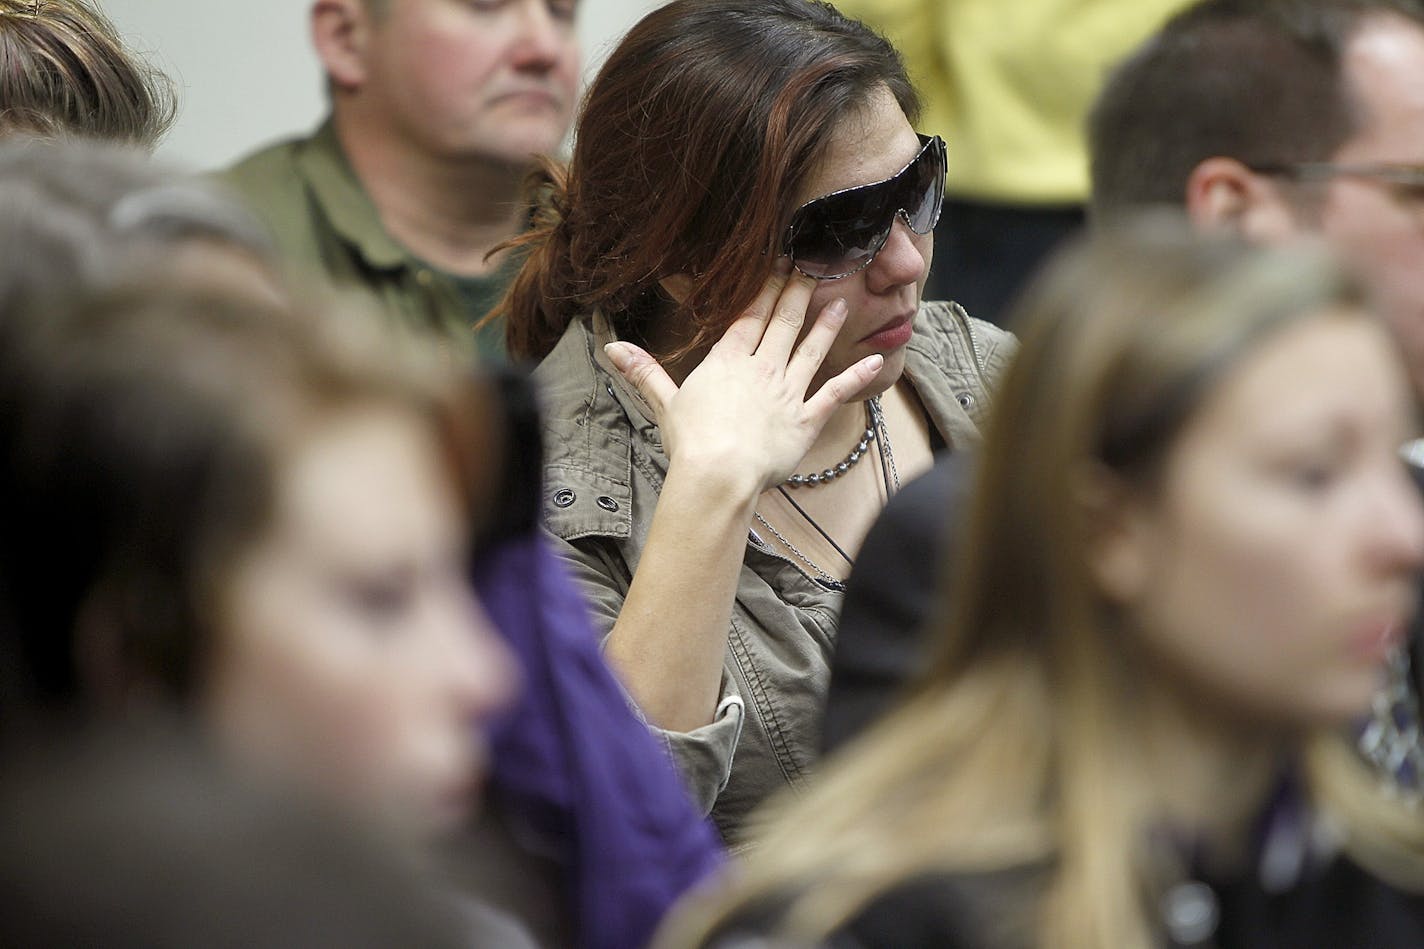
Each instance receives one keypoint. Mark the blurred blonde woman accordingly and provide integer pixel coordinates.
(1189, 552)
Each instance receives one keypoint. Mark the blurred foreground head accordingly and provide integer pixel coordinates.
(262, 512)
(66, 73)
(81, 215)
(1191, 547)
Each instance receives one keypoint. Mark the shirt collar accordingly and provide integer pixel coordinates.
(345, 202)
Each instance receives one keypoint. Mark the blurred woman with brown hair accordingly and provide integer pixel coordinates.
(738, 367)
(259, 513)
(1190, 549)
(64, 71)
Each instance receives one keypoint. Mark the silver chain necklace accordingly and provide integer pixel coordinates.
(822, 577)
(887, 454)
(892, 477)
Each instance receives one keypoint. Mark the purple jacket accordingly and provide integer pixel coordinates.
(573, 761)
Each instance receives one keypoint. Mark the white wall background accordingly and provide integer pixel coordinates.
(246, 73)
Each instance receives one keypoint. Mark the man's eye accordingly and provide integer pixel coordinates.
(563, 9)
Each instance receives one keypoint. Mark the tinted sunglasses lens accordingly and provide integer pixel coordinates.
(924, 189)
(839, 233)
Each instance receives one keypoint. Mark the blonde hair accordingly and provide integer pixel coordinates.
(64, 71)
(1012, 751)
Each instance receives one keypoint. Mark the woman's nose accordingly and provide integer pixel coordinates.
(904, 259)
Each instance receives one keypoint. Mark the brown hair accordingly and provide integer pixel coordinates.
(1255, 80)
(65, 71)
(692, 140)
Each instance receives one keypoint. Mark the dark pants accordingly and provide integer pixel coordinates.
(984, 253)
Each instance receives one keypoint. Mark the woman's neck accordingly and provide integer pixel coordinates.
(1211, 770)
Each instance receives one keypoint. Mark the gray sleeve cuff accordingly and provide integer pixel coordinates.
(704, 755)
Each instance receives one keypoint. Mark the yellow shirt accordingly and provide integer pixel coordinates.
(1008, 83)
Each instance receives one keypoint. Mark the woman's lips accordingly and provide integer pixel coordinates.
(892, 335)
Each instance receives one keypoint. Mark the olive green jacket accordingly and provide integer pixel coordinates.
(324, 223)
(604, 470)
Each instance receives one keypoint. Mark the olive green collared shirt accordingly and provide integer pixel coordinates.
(325, 223)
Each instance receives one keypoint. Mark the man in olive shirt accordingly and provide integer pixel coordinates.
(438, 108)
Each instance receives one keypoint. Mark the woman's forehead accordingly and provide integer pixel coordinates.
(867, 145)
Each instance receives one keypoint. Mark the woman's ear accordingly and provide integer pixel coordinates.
(1120, 536)
(340, 30)
(1224, 194)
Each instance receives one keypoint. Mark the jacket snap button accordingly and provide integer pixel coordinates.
(607, 503)
(965, 400)
(564, 497)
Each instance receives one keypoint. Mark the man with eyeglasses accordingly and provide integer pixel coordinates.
(438, 109)
(1281, 118)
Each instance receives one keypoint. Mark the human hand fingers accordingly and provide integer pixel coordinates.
(746, 331)
(841, 388)
(811, 351)
(783, 327)
(644, 373)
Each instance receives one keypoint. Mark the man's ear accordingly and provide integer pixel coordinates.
(1222, 193)
(340, 32)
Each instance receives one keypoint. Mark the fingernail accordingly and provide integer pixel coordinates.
(783, 265)
(836, 308)
(617, 353)
(875, 361)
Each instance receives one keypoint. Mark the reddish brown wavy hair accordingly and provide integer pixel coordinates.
(693, 138)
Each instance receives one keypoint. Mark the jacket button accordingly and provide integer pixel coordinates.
(607, 503)
(964, 399)
(564, 497)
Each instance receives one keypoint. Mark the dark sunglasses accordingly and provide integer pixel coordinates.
(840, 233)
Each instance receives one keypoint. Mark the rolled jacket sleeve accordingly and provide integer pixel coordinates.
(704, 755)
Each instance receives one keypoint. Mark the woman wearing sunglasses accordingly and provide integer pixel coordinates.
(738, 368)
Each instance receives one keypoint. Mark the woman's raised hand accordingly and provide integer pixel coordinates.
(744, 411)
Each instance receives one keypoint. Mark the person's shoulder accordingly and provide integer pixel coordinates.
(273, 183)
(269, 169)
